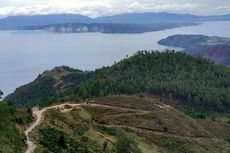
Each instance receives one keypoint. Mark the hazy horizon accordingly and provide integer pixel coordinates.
(95, 8)
(108, 15)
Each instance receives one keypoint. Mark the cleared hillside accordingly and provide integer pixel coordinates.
(123, 124)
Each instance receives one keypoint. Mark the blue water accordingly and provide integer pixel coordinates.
(25, 54)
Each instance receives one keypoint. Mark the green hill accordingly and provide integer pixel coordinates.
(194, 82)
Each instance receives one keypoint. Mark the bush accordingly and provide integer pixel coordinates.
(125, 144)
(200, 115)
(173, 145)
(59, 142)
(24, 116)
(108, 130)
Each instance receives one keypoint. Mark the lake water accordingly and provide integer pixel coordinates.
(25, 54)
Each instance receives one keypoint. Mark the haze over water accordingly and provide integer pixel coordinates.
(25, 54)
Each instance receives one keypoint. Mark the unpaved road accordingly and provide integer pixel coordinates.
(38, 114)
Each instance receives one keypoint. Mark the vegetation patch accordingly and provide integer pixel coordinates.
(59, 142)
(172, 145)
(11, 139)
(23, 116)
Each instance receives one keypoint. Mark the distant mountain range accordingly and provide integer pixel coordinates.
(16, 22)
(151, 18)
(216, 49)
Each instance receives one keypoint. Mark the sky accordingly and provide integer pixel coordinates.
(95, 8)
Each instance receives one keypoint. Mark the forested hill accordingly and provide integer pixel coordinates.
(195, 82)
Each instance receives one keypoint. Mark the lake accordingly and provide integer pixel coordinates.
(25, 54)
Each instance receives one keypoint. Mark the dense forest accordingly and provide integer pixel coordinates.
(193, 81)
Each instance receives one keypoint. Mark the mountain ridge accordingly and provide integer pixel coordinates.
(14, 22)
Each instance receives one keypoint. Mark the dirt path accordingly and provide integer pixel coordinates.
(38, 114)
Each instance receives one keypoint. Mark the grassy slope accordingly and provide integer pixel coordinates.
(153, 126)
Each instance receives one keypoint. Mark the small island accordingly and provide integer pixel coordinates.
(214, 48)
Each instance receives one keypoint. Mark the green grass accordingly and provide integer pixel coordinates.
(84, 114)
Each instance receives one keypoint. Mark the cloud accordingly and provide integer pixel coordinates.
(94, 8)
(89, 9)
(222, 8)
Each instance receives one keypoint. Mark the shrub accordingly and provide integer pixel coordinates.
(125, 144)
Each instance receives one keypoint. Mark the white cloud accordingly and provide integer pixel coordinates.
(95, 8)
(222, 9)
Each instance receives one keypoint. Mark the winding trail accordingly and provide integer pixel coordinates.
(38, 114)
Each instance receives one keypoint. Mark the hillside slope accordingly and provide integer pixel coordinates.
(123, 124)
(194, 82)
